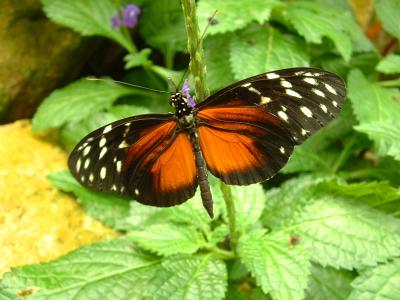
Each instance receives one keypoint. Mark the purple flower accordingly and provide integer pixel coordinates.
(186, 91)
(130, 16)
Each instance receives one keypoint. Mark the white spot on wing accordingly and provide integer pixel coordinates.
(251, 89)
(324, 108)
(282, 150)
(103, 172)
(283, 115)
(86, 150)
(102, 152)
(334, 103)
(136, 191)
(102, 142)
(293, 93)
(304, 132)
(119, 165)
(78, 165)
(87, 162)
(114, 187)
(107, 128)
(272, 75)
(246, 84)
(123, 144)
(319, 93)
(330, 89)
(265, 100)
(283, 108)
(91, 177)
(286, 84)
(306, 111)
(310, 80)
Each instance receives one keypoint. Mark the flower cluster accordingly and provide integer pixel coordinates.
(186, 91)
(128, 18)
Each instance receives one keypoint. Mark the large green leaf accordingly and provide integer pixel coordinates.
(390, 64)
(370, 101)
(76, 102)
(191, 278)
(109, 209)
(388, 12)
(108, 270)
(280, 268)
(386, 135)
(234, 14)
(88, 17)
(382, 282)
(342, 233)
(258, 49)
(328, 283)
(314, 22)
(168, 239)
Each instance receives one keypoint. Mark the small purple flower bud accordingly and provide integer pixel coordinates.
(130, 17)
(186, 91)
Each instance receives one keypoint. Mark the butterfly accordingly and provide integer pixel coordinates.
(243, 134)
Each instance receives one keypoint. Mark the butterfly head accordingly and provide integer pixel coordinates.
(180, 102)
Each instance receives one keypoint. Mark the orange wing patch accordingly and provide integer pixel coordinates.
(167, 176)
(243, 145)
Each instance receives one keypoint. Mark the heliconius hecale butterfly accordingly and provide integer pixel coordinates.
(242, 134)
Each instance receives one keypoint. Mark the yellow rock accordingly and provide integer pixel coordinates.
(37, 222)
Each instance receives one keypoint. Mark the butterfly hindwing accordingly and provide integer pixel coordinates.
(304, 98)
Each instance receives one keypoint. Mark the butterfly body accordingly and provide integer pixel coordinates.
(243, 134)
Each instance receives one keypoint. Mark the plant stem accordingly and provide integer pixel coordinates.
(198, 71)
(197, 65)
(344, 155)
(390, 83)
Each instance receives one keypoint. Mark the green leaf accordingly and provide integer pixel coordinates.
(219, 72)
(191, 278)
(162, 26)
(107, 270)
(257, 50)
(234, 14)
(168, 239)
(390, 64)
(109, 209)
(386, 136)
(279, 268)
(76, 102)
(340, 232)
(328, 283)
(138, 59)
(314, 22)
(370, 101)
(382, 282)
(88, 17)
(388, 13)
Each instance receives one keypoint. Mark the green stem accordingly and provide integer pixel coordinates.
(231, 212)
(344, 155)
(198, 71)
(390, 83)
(197, 65)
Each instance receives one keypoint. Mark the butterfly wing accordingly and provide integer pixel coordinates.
(133, 157)
(247, 131)
(306, 99)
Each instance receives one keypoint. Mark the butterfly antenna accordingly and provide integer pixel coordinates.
(211, 20)
(126, 83)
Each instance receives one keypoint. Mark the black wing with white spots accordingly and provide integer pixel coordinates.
(99, 161)
(306, 99)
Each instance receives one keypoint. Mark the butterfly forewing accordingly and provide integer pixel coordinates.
(304, 98)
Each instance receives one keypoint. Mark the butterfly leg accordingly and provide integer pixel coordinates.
(202, 178)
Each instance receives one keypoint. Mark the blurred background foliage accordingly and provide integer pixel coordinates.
(326, 227)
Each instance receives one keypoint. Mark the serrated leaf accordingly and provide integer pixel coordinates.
(76, 101)
(388, 12)
(109, 209)
(283, 203)
(344, 234)
(162, 26)
(257, 50)
(370, 101)
(168, 239)
(216, 50)
(107, 270)
(234, 14)
(382, 282)
(138, 59)
(328, 283)
(386, 136)
(390, 64)
(191, 278)
(88, 17)
(314, 22)
(279, 268)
